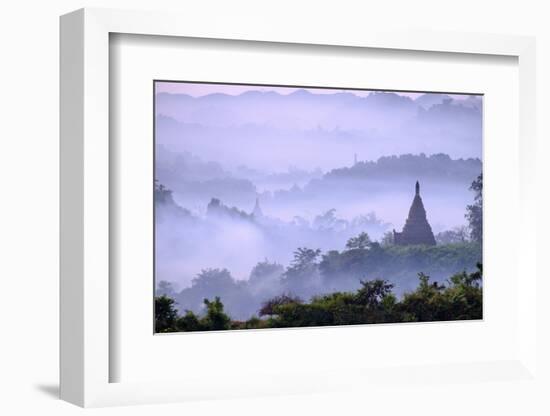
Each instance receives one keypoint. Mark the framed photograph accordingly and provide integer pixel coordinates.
(288, 211)
(277, 206)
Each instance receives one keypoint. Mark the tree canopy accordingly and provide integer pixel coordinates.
(474, 212)
(460, 298)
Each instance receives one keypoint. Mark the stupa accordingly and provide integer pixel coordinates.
(417, 230)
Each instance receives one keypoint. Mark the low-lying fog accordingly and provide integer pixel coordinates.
(241, 191)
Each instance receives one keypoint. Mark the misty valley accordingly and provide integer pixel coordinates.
(265, 218)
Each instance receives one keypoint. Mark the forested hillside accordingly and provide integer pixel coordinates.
(458, 298)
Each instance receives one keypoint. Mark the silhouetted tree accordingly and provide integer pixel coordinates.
(215, 318)
(426, 303)
(165, 314)
(456, 235)
(372, 293)
(362, 241)
(329, 221)
(189, 322)
(213, 279)
(269, 306)
(162, 194)
(265, 270)
(304, 259)
(165, 288)
(374, 302)
(474, 212)
(387, 239)
(303, 273)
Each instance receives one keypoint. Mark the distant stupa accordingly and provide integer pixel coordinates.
(257, 211)
(417, 230)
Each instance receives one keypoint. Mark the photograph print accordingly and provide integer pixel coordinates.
(291, 206)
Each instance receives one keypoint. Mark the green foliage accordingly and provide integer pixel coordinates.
(426, 303)
(387, 239)
(165, 314)
(167, 320)
(466, 295)
(372, 293)
(304, 259)
(296, 315)
(215, 319)
(474, 212)
(265, 270)
(302, 270)
(253, 323)
(210, 283)
(457, 235)
(346, 268)
(311, 273)
(433, 302)
(269, 306)
(373, 302)
(189, 322)
(361, 242)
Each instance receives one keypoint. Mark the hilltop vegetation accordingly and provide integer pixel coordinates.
(315, 271)
(312, 273)
(196, 181)
(459, 298)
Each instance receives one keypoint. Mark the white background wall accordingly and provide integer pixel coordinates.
(29, 175)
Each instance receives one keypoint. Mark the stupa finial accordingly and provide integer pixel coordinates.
(417, 188)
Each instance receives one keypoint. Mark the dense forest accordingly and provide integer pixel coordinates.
(312, 272)
(365, 185)
(460, 298)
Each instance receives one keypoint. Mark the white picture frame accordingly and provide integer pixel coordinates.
(86, 355)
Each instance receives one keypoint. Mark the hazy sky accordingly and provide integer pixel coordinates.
(279, 130)
(200, 89)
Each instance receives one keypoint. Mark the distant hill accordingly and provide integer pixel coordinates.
(428, 100)
(331, 126)
(341, 109)
(391, 174)
(438, 166)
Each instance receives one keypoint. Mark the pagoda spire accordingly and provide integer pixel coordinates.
(417, 229)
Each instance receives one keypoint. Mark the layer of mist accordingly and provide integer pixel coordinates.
(260, 194)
